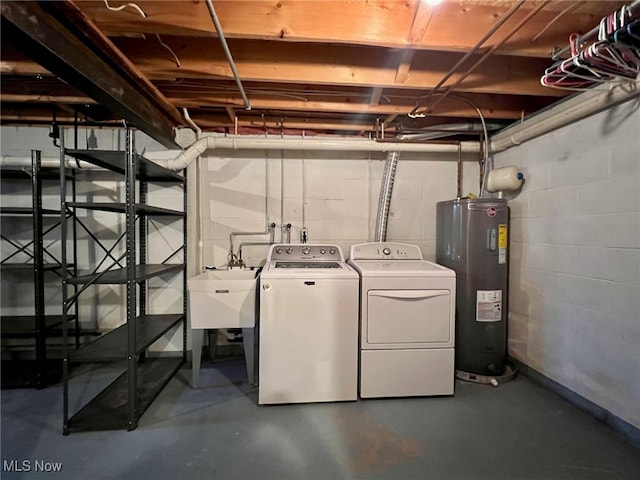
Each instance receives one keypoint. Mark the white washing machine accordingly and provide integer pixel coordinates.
(308, 326)
(407, 321)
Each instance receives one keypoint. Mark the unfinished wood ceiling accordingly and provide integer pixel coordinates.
(342, 67)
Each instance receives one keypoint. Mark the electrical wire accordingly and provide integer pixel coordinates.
(122, 7)
(175, 57)
(143, 15)
(486, 55)
(484, 131)
(476, 47)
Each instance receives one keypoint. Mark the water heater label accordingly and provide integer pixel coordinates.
(502, 244)
(489, 305)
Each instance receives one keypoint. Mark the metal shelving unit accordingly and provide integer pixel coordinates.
(120, 404)
(33, 256)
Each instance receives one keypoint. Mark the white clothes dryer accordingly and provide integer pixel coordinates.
(308, 326)
(407, 321)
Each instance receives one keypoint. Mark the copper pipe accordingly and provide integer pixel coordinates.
(473, 50)
(486, 55)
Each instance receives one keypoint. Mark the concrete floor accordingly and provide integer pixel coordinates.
(517, 431)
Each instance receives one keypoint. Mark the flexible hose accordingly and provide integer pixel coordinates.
(384, 201)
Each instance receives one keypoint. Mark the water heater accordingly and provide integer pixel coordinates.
(472, 239)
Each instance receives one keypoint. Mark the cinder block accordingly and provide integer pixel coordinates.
(582, 291)
(624, 158)
(624, 301)
(616, 265)
(620, 195)
(553, 258)
(517, 255)
(554, 203)
(577, 169)
(624, 230)
(536, 230)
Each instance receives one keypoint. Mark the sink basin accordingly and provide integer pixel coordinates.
(222, 299)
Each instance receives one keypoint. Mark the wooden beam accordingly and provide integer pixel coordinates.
(421, 20)
(64, 52)
(334, 65)
(231, 112)
(99, 40)
(455, 26)
(402, 74)
(59, 99)
(376, 93)
(492, 106)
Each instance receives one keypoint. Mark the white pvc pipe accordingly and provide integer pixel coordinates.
(187, 156)
(9, 161)
(568, 111)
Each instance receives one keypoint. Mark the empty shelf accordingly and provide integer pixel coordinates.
(113, 345)
(119, 275)
(108, 410)
(26, 211)
(28, 266)
(25, 325)
(25, 173)
(121, 208)
(116, 162)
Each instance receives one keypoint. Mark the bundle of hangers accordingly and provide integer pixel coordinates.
(615, 56)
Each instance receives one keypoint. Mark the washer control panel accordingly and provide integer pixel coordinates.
(385, 251)
(305, 252)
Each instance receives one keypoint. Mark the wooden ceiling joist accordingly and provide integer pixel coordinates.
(382, 23)
(330, 65)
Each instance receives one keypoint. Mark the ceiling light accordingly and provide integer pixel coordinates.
(432, 2)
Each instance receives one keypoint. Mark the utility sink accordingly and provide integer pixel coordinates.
(223, 299)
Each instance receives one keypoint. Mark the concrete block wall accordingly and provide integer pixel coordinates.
(333, 194)
(575, 258)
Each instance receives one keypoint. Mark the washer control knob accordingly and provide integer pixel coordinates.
(332, 251)
(305, 250)
(323, 251)
(386, 251)
(289, 250)
(278, 250)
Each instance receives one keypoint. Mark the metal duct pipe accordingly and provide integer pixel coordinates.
(309, 144)
(384, 201)
(447, 130)
(388, 179)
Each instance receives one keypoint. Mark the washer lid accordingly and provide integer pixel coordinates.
(401, 268)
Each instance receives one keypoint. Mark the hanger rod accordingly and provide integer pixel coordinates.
(560, 53)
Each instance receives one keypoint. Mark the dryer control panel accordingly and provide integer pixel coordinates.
(385, 251)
